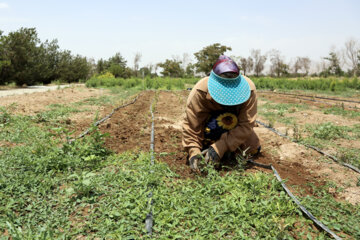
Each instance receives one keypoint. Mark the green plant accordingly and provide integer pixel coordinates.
(328, 131)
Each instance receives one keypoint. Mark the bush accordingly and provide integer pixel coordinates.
(332, 84)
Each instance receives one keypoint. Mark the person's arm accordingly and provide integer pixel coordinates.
(231, 140)
(193, 126)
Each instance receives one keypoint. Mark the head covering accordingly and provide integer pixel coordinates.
(227, 91)
(225, 64)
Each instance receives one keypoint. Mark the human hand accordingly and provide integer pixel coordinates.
(212, 157)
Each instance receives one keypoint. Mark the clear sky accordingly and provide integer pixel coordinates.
(160, 29)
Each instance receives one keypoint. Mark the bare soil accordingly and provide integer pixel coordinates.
(323, 103)
(32, 103)
(129, 130)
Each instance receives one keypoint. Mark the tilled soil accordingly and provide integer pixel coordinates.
(323, 103)
(129, 130)
(298, 166)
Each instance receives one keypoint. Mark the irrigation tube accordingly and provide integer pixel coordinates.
(302, 95)
(312, 147)
(105, 118)
(149, 220)
(303, 209)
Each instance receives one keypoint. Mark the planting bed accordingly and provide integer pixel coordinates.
(129, 135)
(300, 167)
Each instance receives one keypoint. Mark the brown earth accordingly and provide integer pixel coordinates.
(323, 103)
(300, 167)
(30, 104)
(129, 130)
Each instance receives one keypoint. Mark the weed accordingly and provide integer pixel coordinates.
(328, 131)
(297, 135)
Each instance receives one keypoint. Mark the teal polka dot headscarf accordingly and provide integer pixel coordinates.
(227, 91)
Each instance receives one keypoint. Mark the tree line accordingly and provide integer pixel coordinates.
(26, 60)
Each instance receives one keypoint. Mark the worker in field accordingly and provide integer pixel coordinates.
(220, 116)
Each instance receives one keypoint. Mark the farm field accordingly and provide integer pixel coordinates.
(98, 186)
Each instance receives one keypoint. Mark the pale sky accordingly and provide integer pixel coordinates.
(163, 29)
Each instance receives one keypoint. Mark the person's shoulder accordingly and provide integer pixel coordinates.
(251, 83)
(202, 84)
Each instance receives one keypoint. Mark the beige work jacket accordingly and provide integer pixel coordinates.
(199, 106)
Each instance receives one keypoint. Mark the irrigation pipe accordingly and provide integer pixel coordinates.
(105, 118)
(302, 95)
(312, 147)
(297, 202)
(149, 220)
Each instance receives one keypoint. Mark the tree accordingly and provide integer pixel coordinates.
(72, 68)
(21, 49)
(100, 66)
(259, 61)
(117, 66)
(116, 59)
(190, 70)
(171, 68)
(334, 68)
(352, 48)
(137, 59)
(246, 64)
(278, 66)
(4, 59)
(302, 64)
(208, 56)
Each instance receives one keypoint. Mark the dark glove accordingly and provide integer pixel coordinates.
(212, 157)
(195, 162)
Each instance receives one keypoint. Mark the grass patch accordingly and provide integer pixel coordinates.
(337, 215)
(276, 112)
(342, 112)
(165, 83)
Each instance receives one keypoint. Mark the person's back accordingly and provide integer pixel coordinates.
(220, 115)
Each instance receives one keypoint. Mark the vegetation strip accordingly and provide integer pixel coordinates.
(149, 217)
(303, 209)
(309, 146)
(313, 100)
(105, 118)
(302, 95)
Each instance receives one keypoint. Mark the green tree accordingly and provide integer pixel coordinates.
(190, 70)
(100, 66)
(117, 66)
(72, 68)
(208, 56)
(4, 60)
(21, 49)
(171, 68)
(334, 68)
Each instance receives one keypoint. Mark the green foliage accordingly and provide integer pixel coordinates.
(146, 83)
(337, 215)
(334, 68)
(24, 59)
(116, 65)
(208, 56)
(171, 68)
(329, 84)
(341, 111)
(328, 131)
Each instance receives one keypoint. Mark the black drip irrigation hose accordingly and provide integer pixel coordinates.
(302, 95)
(149, 220)
(297, 202)
(312, 147)
(105, 118)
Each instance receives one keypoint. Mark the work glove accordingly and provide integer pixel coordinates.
(212, 157)
(195, 163)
